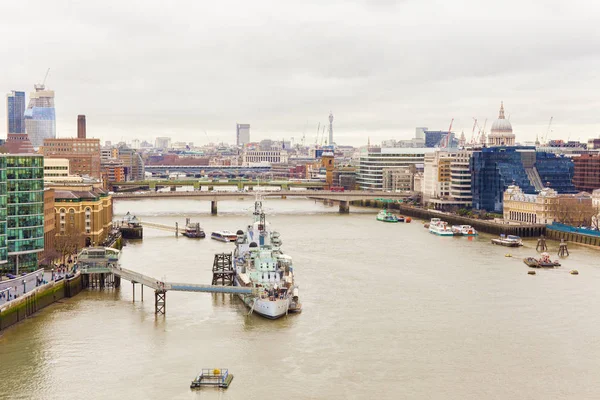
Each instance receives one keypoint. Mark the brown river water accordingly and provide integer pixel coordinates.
(390, 312)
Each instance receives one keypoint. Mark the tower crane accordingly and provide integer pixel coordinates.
(446, 140)
(547, 131)
(473, 131)
(46, 77)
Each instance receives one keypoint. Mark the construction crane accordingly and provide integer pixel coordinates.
(446, 141)
(545, 141)
(46, 77)
(318, 129)
(473, 131)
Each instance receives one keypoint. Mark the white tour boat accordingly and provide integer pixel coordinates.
(439, 227)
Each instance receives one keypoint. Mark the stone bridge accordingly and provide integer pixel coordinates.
(343, 198)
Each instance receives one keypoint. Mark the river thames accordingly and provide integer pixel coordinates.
(390, 312)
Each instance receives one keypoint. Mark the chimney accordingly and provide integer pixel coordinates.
(81, 126)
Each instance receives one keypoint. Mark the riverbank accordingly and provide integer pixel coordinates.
(533, 230)
(28, 304)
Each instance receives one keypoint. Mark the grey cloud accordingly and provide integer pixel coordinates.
(148, 68)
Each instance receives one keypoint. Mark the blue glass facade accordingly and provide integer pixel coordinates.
(494, 169)
(15, 110)
(434, 139)
(24, 210)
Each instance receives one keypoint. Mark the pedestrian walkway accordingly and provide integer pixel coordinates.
(17, 287)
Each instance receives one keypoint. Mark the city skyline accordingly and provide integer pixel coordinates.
(295, 64)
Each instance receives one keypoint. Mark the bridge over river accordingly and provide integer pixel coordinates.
(343, 198)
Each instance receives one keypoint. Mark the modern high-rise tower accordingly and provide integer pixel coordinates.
(15, 110)
(330, 129)
(40, 116)
(242, 136)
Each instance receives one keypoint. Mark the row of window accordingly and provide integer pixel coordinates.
(25, 233)
(25, 173)
(24, 222)
(25, 186)
(15, 246)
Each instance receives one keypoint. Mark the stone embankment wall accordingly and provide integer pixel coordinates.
(573, 237)
(28, 304)
(480, 225)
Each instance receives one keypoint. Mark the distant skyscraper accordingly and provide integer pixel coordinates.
(242, 136)
(15, 111)
(40, 116)
(330, 129)
(81, 127)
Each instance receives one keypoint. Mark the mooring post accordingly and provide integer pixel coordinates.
(176, 229)
(541, 244)
(213, 207)
(563, 251)
(142, 292)
(133, 286)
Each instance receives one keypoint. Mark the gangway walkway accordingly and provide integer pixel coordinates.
(161, 288)
(159, 226)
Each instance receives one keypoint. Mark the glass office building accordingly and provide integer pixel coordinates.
(24, 182)
(15, 112)
(493, 169)
(3, 202)
(40, 116)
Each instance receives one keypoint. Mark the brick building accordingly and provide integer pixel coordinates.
(83, 154)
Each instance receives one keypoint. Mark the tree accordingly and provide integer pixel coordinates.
(68, 242)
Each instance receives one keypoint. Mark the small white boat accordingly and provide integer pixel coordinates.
(440, 227)
(464, 230)
(224, 236)
(508, 241)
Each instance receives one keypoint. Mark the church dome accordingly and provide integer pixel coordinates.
(501, 133)
(501, 125)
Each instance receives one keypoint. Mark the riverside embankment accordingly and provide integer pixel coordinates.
(532, 230)
(28, 304)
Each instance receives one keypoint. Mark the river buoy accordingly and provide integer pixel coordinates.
(574, 272)
(407, 220)
(530, 272)
(508, 255)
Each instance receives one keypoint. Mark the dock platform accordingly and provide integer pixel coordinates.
(212, 377)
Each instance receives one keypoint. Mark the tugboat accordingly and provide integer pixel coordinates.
(260, 264)
(193, 230)
(386, 216)
(543, 262)
(508, 241)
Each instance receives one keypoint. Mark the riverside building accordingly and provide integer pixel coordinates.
(83, 213)
(24, 216)
(447, 178)
(372, 161)
(547, 206)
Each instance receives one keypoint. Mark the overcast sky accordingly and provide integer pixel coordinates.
(192, 69)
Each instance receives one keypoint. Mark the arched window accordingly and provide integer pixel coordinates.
(88, 222)
(62, 214)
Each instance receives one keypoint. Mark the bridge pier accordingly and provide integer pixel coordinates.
(213, 207)
(160, 302)
(344, 207)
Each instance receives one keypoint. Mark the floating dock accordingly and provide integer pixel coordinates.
(217, 377)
